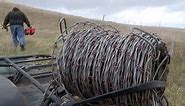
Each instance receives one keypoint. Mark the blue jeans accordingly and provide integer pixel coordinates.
(18, 35)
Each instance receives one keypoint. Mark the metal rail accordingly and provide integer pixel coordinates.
(26, 56)
(33, 60)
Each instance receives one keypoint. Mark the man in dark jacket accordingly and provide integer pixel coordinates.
(16, 19)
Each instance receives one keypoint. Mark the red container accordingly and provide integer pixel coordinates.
(29, 31)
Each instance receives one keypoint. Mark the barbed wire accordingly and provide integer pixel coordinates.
(93, 60)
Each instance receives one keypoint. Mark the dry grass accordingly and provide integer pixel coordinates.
(46, 23)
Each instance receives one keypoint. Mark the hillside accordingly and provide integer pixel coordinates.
(47, 27)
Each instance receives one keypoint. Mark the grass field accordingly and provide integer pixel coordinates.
(46, 24)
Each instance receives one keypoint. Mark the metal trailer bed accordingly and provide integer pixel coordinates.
(24, 71)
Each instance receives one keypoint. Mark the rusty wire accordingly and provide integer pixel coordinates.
(93, 60)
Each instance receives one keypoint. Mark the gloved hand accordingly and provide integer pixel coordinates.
(5, 27)
(30, 26)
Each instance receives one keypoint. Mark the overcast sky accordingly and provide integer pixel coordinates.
(168, 13)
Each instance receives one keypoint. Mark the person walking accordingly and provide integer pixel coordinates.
(16, 19)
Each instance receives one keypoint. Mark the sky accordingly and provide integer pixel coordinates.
(160, 13)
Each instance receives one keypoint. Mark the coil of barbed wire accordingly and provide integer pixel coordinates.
(93, 60)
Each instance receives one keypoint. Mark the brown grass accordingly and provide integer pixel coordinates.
(46, 24)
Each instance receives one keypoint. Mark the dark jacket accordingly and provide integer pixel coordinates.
(16, 17)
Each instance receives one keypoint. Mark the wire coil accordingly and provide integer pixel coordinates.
(93, 60)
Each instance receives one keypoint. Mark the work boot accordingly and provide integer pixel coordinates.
(22, 47)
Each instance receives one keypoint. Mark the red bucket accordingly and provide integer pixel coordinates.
(29, 31)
